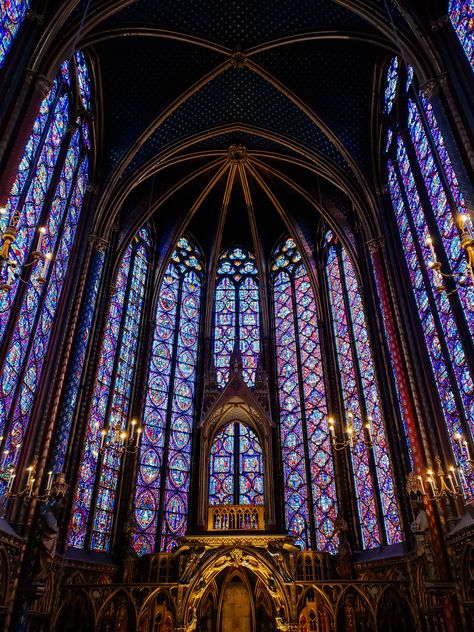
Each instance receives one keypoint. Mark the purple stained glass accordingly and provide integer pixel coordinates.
(415, 232)
(365, 491)
(29, 213)
(119, 400)
(236, 467)
(391, 85)
(83, 79)
(110, 399)
(383, 472)
(237, 320)
(12, 14)
(449, 233)
(461, 14)
(303, 409)
(168, 421)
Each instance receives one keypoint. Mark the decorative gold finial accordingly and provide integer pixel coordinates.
(237, 153)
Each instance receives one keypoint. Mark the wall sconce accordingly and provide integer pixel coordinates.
(114, 439)
(350, 432)
(437, 485)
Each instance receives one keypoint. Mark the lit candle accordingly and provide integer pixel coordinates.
(5, 455)
(41, 232)
(458, 438)
(31, 487)
(103, 434)
(450, 479)
(30, 471)
(432, 485)
(420, 478)
(50, 481)
(369, 426)
(10, 481)
(462, 478)
(133, 423)
(139, 432)
(466, 447)
(46, 262)
(464, 223)
(429, 243)
(349, 431)
(453, 471)
(123, 436)
(11, 271)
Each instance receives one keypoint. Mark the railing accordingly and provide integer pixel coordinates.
(236, 518)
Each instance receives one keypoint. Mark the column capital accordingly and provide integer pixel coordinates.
(440, 23)
(98, 243)
(376, 244)
(43, 85)
(432, 86)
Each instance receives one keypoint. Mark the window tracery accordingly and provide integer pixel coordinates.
(427, 201)
(237, 314)
(461, 14)
(12, 14)
(236, 467)
(310, 490)
(110, 408)
(162, 491)
(48, 191)
(372, 475)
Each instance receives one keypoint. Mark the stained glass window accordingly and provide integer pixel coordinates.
(109, 415)
(236, 467)
(424, 155)
(38, 260)
(391, 85)
(369, 457)
(162, 490)
(308, 470)
(12, 14)
(237, 320)
(461, 13)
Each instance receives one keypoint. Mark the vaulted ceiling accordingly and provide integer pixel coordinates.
(295, 85)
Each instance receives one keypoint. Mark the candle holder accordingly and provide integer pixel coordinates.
(349, 431)
(437, 485)
(117, 441)
(56, 485)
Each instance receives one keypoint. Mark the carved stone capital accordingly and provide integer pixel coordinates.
(440, 23)
(376, 244)
(35, 17)
(43, 84)
(92, 188)
(432, 86)
(381, 191)
(98, 243)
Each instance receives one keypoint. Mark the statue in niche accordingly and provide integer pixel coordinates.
(344, 550)
(48, 531)
(421, 530)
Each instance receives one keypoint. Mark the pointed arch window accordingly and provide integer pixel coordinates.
(96, 493)
(12, 14)
(461, 14)
(48, 192)
(308, 469)
(162, 490)
(237, 315)
(373, 481)
(236, 467)
(427, 201)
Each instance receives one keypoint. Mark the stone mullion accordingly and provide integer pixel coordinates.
(386, 390)
(101, 457)
(128, 474)
(361, 396)
(77, 437)
(343, 472)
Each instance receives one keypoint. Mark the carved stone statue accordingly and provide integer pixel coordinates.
(421, 530)
(48, 535)
(344, 550)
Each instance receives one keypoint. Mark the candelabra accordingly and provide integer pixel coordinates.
(117, 441)
(467, 243)
(56, 484)
(349, 431)
(436, 485)
(8, 265)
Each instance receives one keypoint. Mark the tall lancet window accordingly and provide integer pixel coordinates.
(429, 211)
(12, 14)
(461, 14)
(162, 491)
(236, 467)
(96, 495)
(39, 225)
(237, 316)
(378, 512)
(308, 469)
